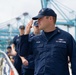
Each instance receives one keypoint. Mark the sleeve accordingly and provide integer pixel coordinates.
(72, 54)
(14, 40)
(24, 45)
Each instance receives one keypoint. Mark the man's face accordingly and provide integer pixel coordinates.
(36, 29)
(43, 23)
(21, 31)
(9, 50)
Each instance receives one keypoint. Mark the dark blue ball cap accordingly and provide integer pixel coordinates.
(36, 23)
(9, 47)
(45, 12)
(21, 27)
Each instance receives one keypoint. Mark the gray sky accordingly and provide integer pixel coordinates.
(13, 8)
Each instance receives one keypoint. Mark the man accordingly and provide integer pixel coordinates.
(36, 30)
(15, 49)
(29, 70)
(8, 51)
(51, 48)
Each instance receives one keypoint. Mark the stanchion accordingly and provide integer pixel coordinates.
(11, 72)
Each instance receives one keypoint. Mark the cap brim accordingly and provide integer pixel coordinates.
(36, 25)
(22, 28)
(38, 16)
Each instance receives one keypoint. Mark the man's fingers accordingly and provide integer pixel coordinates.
(28, 27)
(30, 24)
(25, 63)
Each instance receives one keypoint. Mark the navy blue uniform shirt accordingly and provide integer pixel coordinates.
(17, 59)
(51, 55)
(16, 42)
(29, 56)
